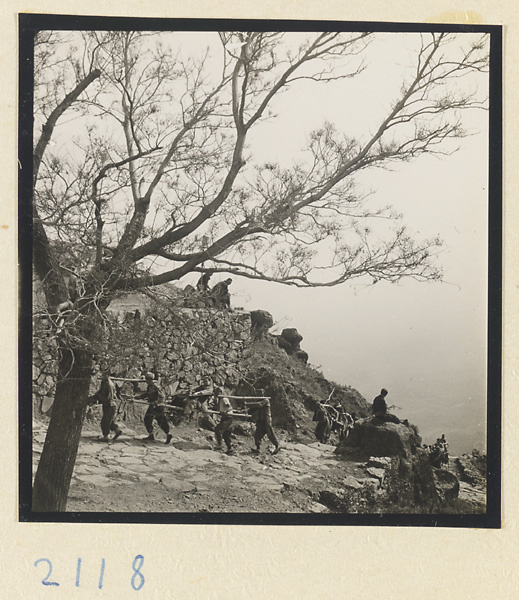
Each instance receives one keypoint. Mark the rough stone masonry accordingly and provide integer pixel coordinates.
(189, 346)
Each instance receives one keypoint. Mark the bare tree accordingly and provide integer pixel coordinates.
(159, 179)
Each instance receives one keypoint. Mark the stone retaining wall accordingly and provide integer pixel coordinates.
(190, 346)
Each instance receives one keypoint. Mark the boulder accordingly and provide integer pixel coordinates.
(261, 322)
(471, 468)
(388, 439)
(290, 339)
(377, 473)
(379, 462)
(352, 482)
(372, 482)
(302, 356)
(447, 485)
(411, 486)
(332, 499)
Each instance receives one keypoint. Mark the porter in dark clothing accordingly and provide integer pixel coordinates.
(155, 396)
(106, 396)
(203, 283)
(324, 426)
(262, 416)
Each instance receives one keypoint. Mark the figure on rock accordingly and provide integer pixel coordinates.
(380, 408)
(202, 285)
(439, 453)
(221, 295)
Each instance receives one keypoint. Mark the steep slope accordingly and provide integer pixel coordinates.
(293, 388)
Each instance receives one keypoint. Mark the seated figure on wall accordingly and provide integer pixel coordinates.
(220, 294)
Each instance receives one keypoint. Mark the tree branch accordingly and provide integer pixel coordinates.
(50, 124)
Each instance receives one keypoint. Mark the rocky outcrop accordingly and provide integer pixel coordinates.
(393, 485)
(388, 439)
(402, 467)
(411, 485)
(290, 340)
(472, 468)
(293, 388)
(261, 322)
(302, 356)
(447, 485)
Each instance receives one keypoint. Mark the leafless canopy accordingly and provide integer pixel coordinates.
(154, 173)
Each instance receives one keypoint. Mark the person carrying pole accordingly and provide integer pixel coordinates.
(106, 396)
(155, 396)
(323, 428)
(224, 428)
(262, 416)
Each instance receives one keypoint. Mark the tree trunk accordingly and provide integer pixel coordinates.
(52, 481)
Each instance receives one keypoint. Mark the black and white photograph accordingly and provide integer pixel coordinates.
(261, 270)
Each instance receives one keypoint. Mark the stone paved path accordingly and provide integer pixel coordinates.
(131, 475)
(189, 475)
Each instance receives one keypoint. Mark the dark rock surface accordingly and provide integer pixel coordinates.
(290, 340)
(302, 356)
(447, 485)
(387, 439)
(261, 322)
(471, 468)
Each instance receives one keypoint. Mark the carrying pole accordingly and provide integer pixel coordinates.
(244, 397)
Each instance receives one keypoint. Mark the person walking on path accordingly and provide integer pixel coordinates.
(155, 396)
(323, 428)
(224, 428)
(107, 397)
(262, 416)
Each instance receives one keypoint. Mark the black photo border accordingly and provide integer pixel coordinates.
(29, 24)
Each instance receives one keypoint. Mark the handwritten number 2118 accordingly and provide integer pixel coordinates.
(137, 579)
